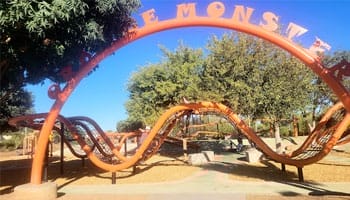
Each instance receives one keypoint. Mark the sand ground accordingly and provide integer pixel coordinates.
(169, 167)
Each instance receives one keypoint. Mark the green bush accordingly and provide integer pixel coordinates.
(14, 143)
(303, 127)
(285, 131)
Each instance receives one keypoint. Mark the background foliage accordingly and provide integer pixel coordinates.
(41, 38)
(256, 79)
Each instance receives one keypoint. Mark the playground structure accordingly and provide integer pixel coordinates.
(317, 145)
(29, 143)
(84, 128)
(99, 148)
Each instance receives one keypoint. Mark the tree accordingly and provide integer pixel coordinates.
(48, 38)
(129, 126)
(39, 38)
(322, 96)
(157, 86)
(330, 61)
(232, 71)
(18, 103)
(256, 79)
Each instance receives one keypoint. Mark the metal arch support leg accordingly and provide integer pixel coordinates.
(134, 169)
(83, 162)
(300, 174)
(283, 167)
(114, 178)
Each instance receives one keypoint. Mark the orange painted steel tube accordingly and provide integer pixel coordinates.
(294, 49)
(28, 121)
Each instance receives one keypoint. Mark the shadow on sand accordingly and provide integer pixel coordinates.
(19, 173)
(269, 172)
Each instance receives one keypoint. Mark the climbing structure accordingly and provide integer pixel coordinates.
(186, 16)
(90, 136)
(79, 133)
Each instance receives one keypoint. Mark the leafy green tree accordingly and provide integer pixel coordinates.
(129, 126)
(322, 96)
(18, 103)
(256, 79)
(43, 39)
(39, 38)
(157, 86)
(329, 61)
(232, 72)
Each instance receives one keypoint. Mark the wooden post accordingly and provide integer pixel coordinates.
(62, 148)
(46, 163)
(51, 149)
(24, 145)
(125, 148)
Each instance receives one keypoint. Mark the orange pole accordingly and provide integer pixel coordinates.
(135, 34)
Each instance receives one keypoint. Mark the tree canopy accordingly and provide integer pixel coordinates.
(44, 39)
(17, 103)
(154, 88)
(256, 78)
(39, 38)
(253, 77)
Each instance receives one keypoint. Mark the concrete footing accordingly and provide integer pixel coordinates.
(201, 158)
(253, 155)
(44, 191)
(209, 155)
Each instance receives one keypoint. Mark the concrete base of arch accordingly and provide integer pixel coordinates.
(44, 191)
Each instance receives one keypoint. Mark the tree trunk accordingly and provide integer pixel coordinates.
(312, 126)
(295, 127)
(279, 148)
(271, 130)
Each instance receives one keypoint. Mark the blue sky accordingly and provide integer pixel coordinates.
(102, 94)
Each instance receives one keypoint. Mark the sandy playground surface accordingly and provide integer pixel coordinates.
(15, 170)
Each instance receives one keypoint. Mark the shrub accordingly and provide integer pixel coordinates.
(13, 143)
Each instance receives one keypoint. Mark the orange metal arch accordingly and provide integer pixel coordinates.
(63, 95)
